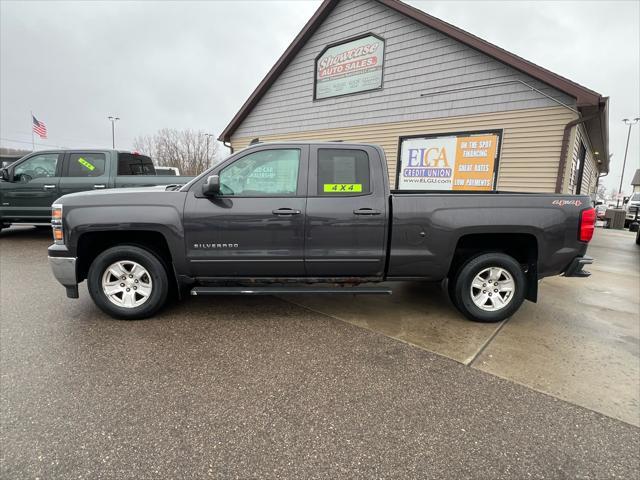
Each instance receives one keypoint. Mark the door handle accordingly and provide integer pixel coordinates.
(100, 185)
(285, 212)
(367, 211)
(49, 187)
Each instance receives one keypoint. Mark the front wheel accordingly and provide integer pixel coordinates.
(489, 287)
(128, 282)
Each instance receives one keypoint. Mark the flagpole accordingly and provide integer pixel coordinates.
(33, 142)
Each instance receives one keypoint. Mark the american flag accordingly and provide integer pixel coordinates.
(39, 127)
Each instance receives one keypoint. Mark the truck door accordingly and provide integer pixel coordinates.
(346, 213)
(255, 226)
(28, 197)
(84, 171)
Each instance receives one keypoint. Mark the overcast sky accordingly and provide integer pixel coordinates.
(193, 64)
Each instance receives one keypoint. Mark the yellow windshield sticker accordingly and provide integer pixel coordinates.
(86, 164)
(342, 187)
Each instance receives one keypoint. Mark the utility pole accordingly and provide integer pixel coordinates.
(631, 123)
(113, 121)
(208, 136)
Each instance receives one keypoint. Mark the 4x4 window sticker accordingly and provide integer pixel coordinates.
(88, 165)
(342, 187)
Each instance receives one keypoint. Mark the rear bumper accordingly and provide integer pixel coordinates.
(64, 269)
(575, 268)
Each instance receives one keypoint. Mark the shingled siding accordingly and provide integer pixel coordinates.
(418, 60)
(530, 151)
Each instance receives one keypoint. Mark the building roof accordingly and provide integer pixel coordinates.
(587, 100)
(636, 178)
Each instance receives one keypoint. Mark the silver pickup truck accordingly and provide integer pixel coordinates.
(313, 218)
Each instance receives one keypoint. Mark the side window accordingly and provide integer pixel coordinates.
(86, 165)
(39, 166)
(343, 172)
(269, 172)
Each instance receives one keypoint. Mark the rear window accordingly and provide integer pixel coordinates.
(131, 164)
(343, 172)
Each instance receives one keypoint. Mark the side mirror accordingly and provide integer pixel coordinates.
(211, 187)
(4, 174)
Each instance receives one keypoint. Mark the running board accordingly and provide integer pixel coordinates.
(196, 291)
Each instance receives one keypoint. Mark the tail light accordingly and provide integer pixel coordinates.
(587, 225)
(56, 224)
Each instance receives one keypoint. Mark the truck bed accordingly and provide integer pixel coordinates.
(428, 227)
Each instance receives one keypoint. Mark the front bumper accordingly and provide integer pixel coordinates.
(576, 266)
(64, 269)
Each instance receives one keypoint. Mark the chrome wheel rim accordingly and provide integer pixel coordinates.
(127, 284)
(492, 289)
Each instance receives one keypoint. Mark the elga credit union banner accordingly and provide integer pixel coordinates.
(448, 163)
(350, 67)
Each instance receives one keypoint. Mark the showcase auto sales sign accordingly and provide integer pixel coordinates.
(350, 67)
(448, 163)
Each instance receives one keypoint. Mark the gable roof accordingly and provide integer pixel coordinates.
(584, 96)
(636, 178)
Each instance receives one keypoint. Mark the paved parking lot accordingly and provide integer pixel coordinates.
(260, 387)
(580, 342)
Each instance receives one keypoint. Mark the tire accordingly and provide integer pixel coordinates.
(148, 278)
(481, 268)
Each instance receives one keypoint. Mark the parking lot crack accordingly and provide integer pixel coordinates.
(471, 360)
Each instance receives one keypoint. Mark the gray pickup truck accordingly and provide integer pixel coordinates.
(29, 186)
(313, 218)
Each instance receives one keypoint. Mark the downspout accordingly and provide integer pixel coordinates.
(564, 151)
(228, 146)
(602, 175)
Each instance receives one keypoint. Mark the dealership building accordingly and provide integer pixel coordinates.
(450, 110)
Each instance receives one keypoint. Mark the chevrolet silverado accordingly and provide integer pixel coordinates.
(313, 218)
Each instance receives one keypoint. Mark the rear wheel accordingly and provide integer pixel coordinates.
(128, 282)
(489, 287)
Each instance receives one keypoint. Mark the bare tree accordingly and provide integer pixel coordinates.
(186, 150)
(602, 192)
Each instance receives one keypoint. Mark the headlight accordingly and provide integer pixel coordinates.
(56, 224)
